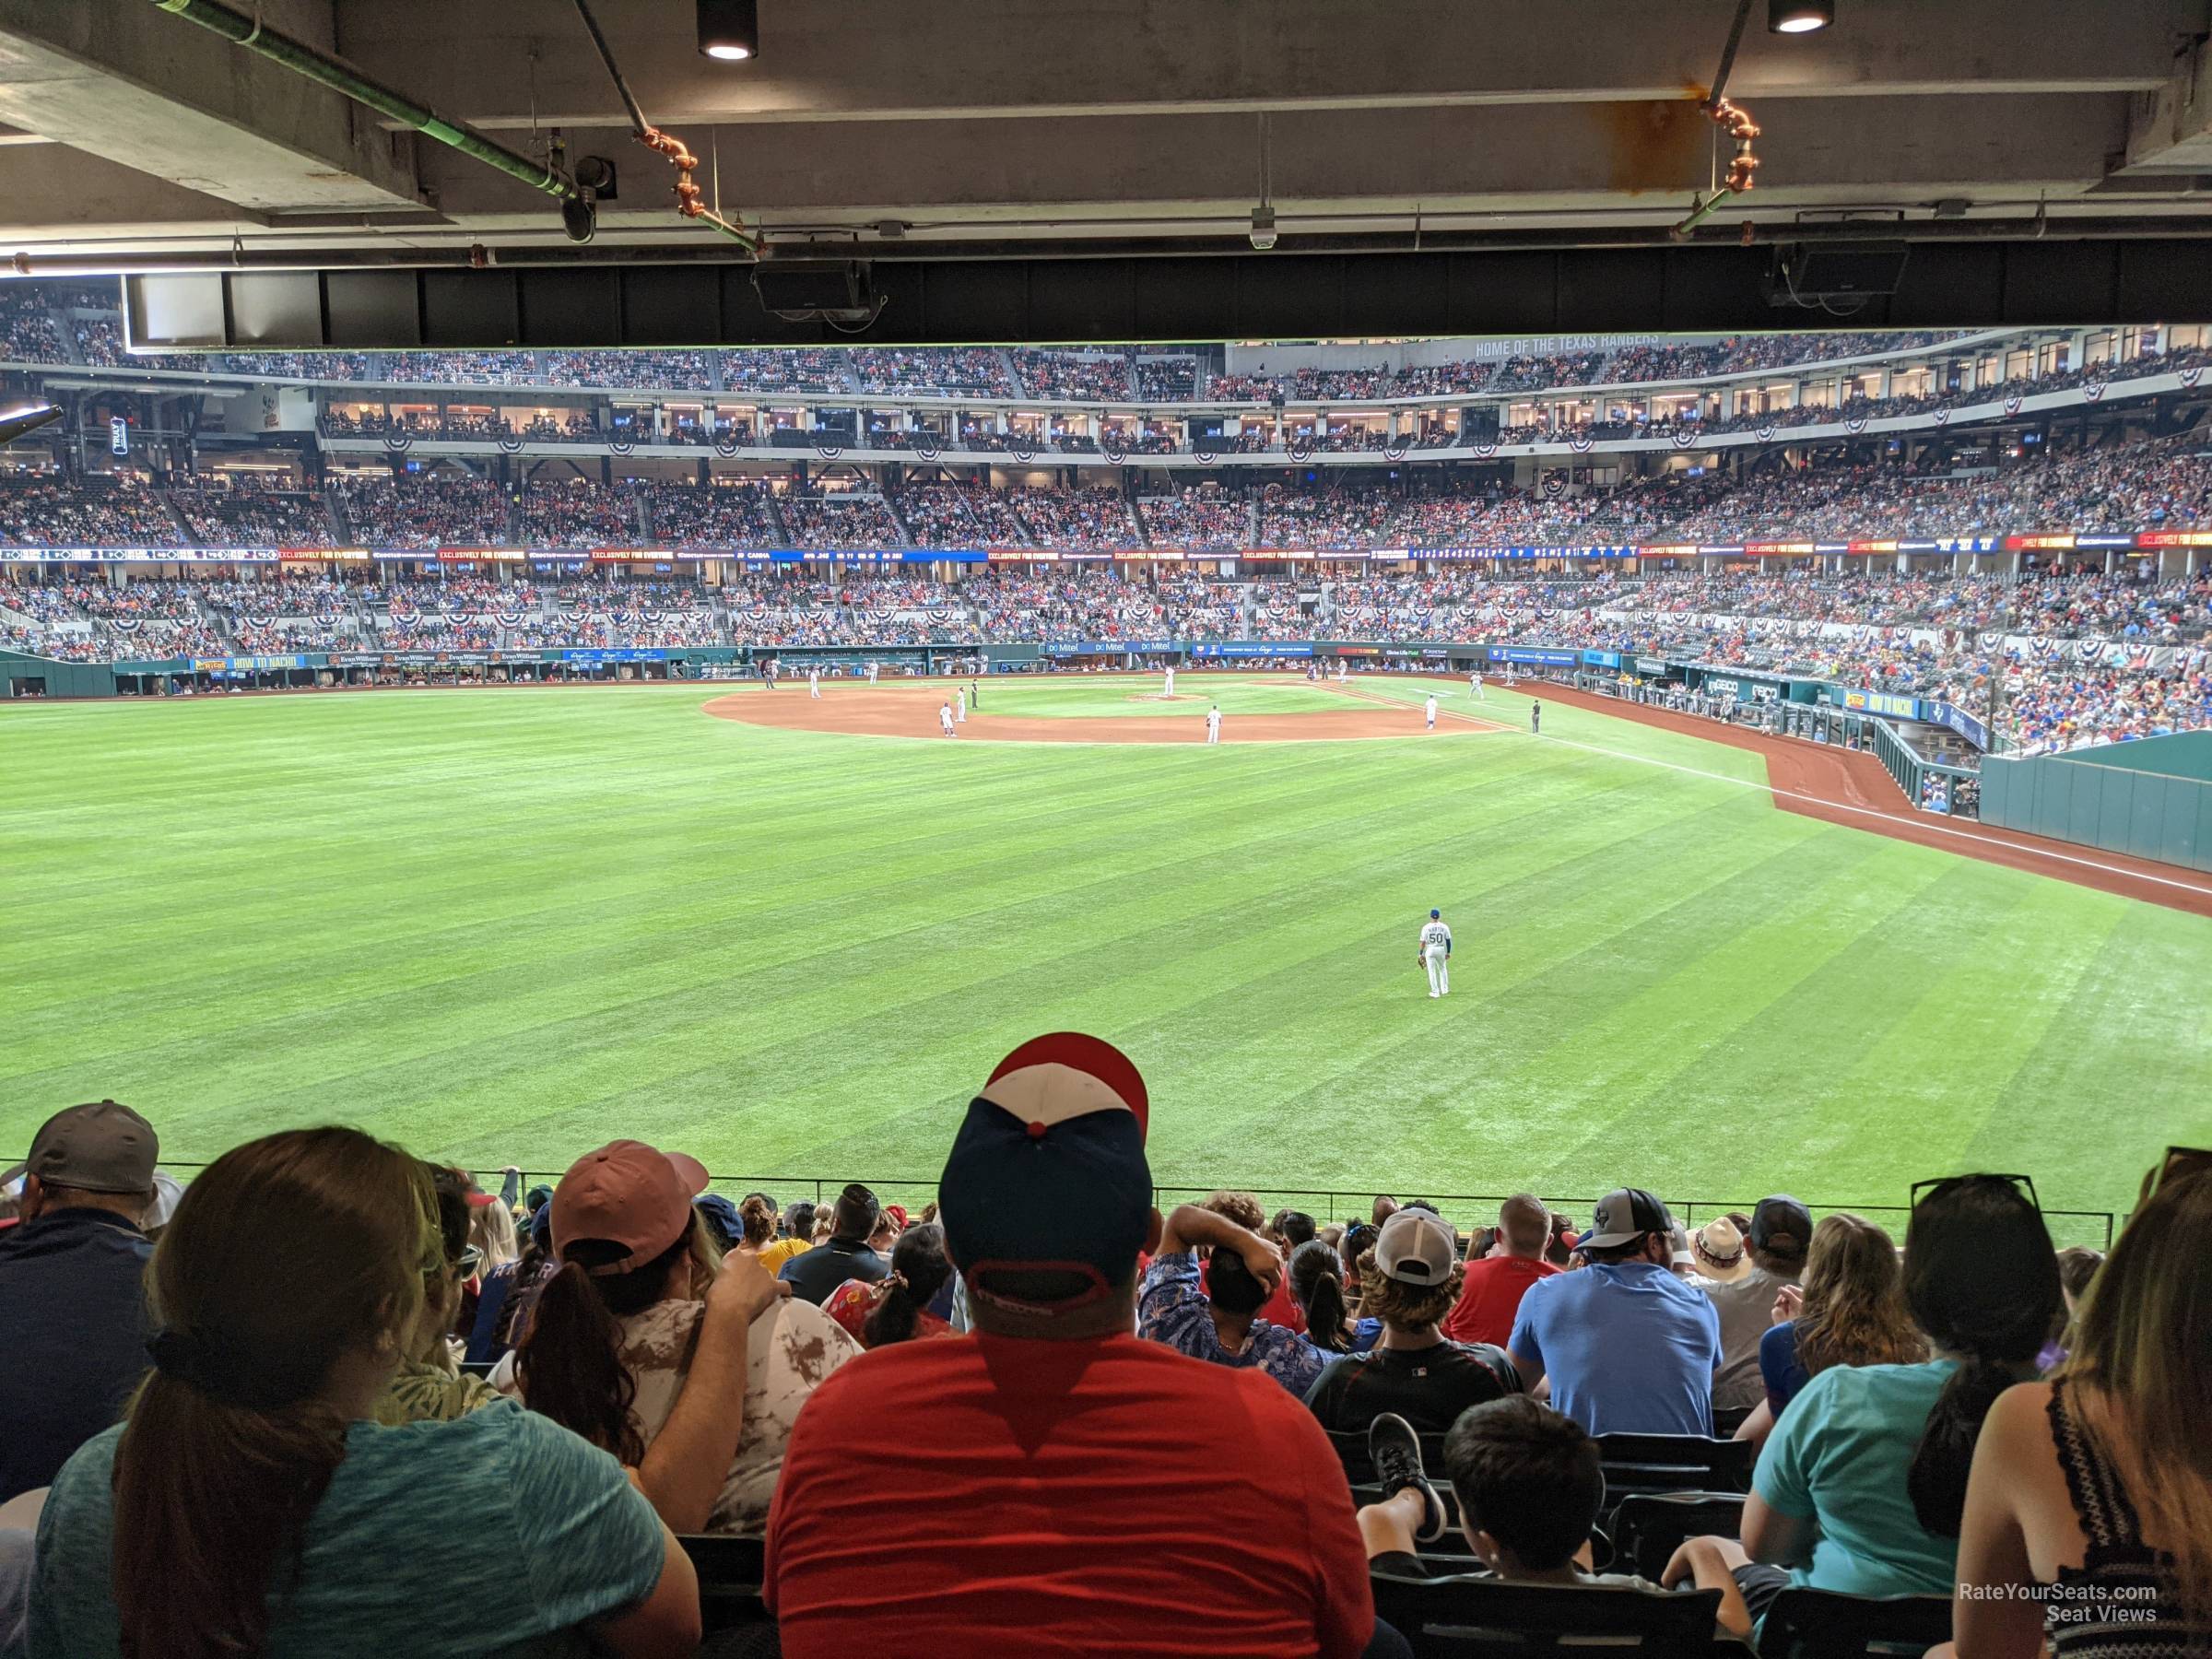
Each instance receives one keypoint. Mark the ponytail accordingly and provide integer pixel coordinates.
(569, 1366)
(1323, 1307)
(566, 1367)
(919, 1270)
(286, 1255)
(894, 1317)
(1981, 1280)
(1936, 1479)
(1318, 1287)
(918, 1273)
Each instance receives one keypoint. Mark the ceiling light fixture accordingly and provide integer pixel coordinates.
(1799, 17)
(729, 31)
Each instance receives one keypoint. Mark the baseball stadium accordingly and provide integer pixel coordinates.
(978, 751)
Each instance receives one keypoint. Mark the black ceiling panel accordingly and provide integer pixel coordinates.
(1245, 295)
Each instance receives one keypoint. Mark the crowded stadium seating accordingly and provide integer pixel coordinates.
(1423, 1456)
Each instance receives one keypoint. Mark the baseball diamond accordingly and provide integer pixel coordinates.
(489, 923)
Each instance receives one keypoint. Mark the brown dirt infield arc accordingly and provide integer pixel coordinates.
(911, 711)
(1834, 786)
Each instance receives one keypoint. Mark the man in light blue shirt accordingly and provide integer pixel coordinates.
(1625, 1347)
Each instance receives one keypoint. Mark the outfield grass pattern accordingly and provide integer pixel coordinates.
(508, 925)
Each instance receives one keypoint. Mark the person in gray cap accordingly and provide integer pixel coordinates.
(1414, 1372)
(72, 1302)
(1627, 1347)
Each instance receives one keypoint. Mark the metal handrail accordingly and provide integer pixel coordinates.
(1334, 1204)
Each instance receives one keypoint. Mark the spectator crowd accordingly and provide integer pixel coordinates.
(1037, 1414)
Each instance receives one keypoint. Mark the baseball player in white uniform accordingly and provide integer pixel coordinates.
(1435, 954)
(1474, 686)
(1170, 691)
(959, 705)
(814, 683)
(945, 719)
(871, 674)
(1431, 711)
(1213, 723)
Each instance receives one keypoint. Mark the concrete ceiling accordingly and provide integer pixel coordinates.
(1041, 124)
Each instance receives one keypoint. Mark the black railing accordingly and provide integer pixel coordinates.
(2094, 1227)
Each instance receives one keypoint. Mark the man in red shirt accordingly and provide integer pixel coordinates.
(1491, 1295)
(1055, 1484)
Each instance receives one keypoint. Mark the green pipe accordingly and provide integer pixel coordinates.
(341, 77)
(1697, 213)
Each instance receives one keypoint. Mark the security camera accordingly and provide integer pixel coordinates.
(1262, 229)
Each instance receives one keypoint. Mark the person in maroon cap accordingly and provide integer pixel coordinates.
(1057, 1484)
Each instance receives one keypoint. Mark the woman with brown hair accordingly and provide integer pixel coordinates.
(245, 1505)
(2091, 1497)
(1850, 1312)
(1414, 1372)
(689, 1368)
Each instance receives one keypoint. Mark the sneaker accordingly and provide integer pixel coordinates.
(1396, 1452)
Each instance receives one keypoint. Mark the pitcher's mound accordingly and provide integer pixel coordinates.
(911, 712)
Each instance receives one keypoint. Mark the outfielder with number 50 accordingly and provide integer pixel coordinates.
(1435, 954)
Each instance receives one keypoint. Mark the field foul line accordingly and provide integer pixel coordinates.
(1918, 820)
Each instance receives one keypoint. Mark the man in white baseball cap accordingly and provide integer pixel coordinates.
(1414, 1372)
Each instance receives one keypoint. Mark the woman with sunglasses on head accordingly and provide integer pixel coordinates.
(247, 1505)
(429, 1386)
(2089, 1516)
(1860, 1487)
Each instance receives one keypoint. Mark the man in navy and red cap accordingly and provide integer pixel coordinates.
(1055, 1483)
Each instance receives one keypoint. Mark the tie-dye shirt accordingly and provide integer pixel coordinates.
(788, 1352)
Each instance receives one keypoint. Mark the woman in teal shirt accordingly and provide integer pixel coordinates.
(1861, 1487)
(247, 1504)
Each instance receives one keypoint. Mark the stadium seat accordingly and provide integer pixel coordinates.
(1470, 1617)
(730, 1573)
(1672, 1462)
(1820, 1624)
(1648, 1527)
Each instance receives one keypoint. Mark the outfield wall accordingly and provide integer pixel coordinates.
(2148, 799)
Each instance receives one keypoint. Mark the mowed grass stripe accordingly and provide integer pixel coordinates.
(510, 924)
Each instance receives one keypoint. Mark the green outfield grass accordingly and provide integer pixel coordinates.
(508, 925)
(1085, 695)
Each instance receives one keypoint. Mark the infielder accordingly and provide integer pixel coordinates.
(1170, 691)
(959, 705)
(1431, 709)
(1213, 723)
(813, 684)
(1435, 954)
(1474, 686)
(1535, 717)
(945, 719)
(871, 674)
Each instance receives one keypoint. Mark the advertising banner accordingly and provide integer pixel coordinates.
(1541, 656)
